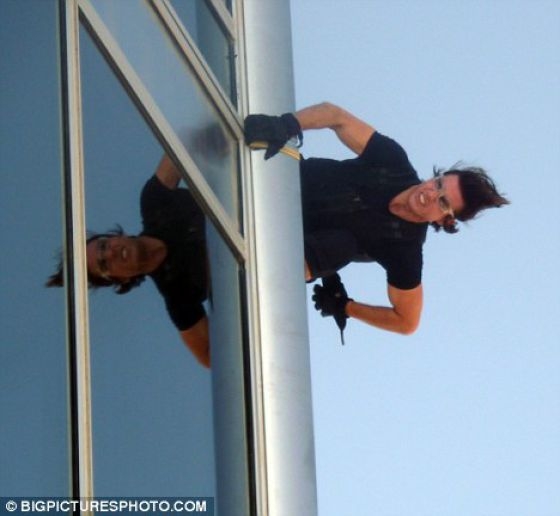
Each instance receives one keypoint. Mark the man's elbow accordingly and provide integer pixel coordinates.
(408, 330)
(197, 341)
(204, 360)
(338, 115)
(202, 355)
(409, 326)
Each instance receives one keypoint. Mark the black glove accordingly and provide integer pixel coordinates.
(274, 130)
(331, 300)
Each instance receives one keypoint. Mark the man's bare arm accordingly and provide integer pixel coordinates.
(196, 339)
(351, 131)
(167, 173)
(402, 317)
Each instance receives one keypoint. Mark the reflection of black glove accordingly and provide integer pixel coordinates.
(331, 300)
(274, 130)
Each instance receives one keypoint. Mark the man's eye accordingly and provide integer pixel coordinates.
(102, 264)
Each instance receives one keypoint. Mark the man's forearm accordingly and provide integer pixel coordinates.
(350, 130)
(319, 116)
(383, 317)
(167, 173)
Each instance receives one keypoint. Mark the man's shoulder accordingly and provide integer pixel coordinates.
(382, 150)
(154, 186)
(156, 197)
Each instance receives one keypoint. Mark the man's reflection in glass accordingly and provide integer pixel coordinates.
(171, 249)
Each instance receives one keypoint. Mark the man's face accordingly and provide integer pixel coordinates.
(434, 200)
(116, 257)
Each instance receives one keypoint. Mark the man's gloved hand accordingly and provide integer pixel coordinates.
(274, 130)
(331, 299)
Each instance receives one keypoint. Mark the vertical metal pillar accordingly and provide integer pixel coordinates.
(286, 479)
(75, 259)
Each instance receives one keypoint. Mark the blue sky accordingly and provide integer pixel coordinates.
(462, 417)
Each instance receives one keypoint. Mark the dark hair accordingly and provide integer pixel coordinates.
(94, 281)
(479, 193)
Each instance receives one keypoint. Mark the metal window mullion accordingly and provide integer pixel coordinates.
(75, 258)
(255, 394)
(167, 136)
(224, 16)
(202, 71)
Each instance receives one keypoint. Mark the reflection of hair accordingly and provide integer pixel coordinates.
(479, 193)
(94, 281)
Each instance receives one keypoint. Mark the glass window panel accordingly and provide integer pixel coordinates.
(205, 30)
(151, 401)
(33, 378)
(226, 335)
(177, 92)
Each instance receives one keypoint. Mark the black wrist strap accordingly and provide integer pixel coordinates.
(293, 126)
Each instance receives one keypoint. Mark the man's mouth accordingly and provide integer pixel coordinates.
(422, 199)
(124, 254)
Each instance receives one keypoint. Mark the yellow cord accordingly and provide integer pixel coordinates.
(288, 151)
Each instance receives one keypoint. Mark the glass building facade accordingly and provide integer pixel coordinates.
(99, 396)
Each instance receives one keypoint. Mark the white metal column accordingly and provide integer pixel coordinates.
(286, 479)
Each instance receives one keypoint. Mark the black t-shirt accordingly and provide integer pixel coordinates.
(182, 279)
(346, 213)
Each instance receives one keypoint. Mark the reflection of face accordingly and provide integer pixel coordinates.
(116, 257)
(432, 204)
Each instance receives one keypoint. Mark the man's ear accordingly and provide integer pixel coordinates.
(120, 280)
(116, 281)
(441, 222)
(121, 285)
(449, 224)
(124, 285)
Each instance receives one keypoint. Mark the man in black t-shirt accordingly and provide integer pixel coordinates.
(346, 218)
(370, 208)
(172, 216)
